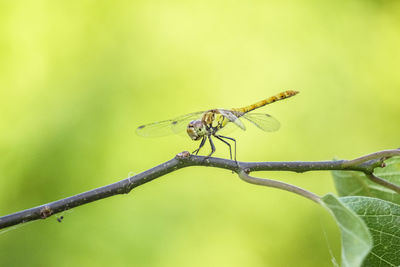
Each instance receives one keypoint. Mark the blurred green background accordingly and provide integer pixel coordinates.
(77, 78)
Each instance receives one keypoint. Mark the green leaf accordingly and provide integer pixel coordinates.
(383, 221)
(356, 239)
(352, 183)
(364, 221)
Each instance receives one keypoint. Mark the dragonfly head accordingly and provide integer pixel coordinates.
(196, 130)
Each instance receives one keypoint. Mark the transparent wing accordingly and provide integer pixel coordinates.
(232, 118)
(167, 127)
(228, 129)
(263, 121)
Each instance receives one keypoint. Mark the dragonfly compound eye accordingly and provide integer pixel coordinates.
(196, 130)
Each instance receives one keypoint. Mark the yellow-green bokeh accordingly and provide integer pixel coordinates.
(77, 78)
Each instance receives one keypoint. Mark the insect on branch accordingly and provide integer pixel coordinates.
(365, 164)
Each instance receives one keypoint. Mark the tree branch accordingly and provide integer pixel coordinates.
(364, 164)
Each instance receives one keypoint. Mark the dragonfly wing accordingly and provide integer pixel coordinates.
(263, 121)
(228, 129)
(232, 118)
(155, 129)
(167, 127)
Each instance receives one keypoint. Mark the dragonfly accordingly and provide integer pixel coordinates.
(203, 125)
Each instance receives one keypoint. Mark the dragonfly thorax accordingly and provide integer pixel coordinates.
(196, 130)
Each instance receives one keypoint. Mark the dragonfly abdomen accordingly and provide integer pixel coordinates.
(267, 101)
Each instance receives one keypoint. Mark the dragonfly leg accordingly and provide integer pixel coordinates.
(212, 147)
(203, 141)
(232, 139)
(229, 145)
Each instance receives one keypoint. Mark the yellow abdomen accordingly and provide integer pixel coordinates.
(267, 101)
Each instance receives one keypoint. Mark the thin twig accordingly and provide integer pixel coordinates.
(384, 154)
(278, 184)
(364, 164)
(383, 182)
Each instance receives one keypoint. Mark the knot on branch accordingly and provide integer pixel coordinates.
(45, 212)
(183, 154)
